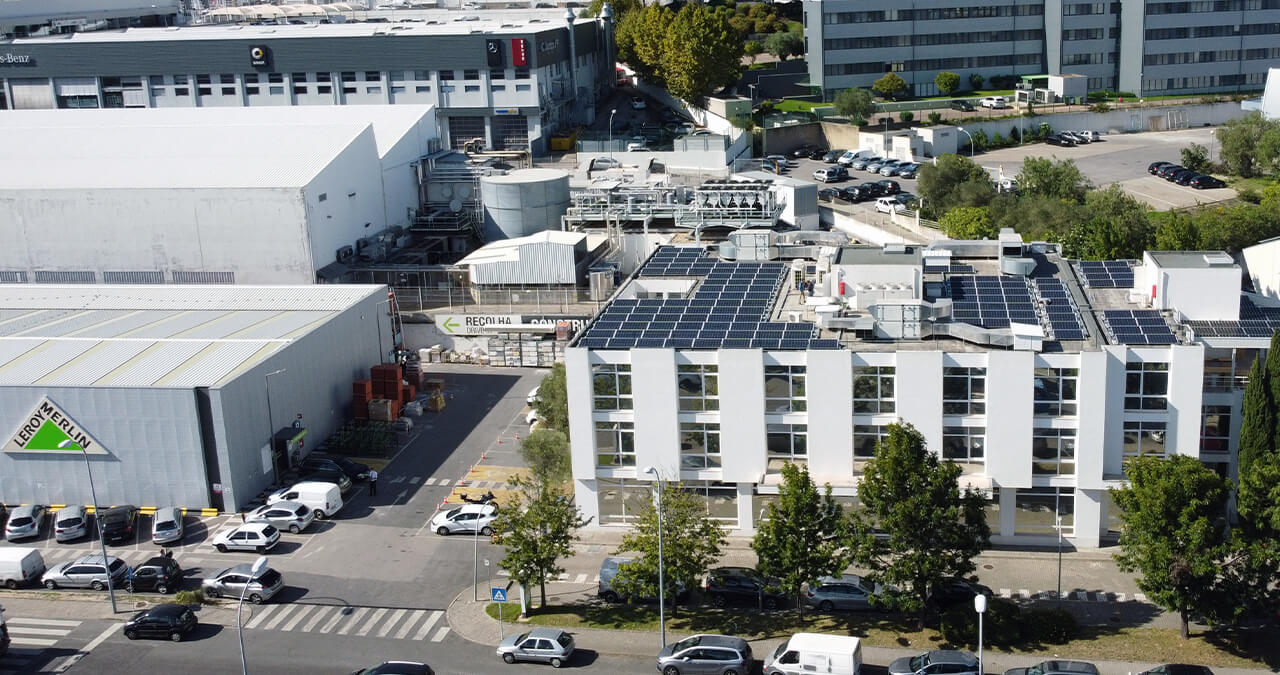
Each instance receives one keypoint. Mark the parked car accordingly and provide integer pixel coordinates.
(354, 470)
(852, 195)
(1080, 137)
(286, 515)
(325, 499)
(638, 103)
(889, 205)
(116, 523)
(872, 190)
(1059, 139)
(638, 146)
(890, 168)
(329, 475)
(239, 579)
(875, 166)
(706, 654)
(1170, 169)
(783, 160)
(1056, 667)
(963, 106)
(1185, 177)
(860, 163)
(832, 156)
(996, 102)
(1177, 669)
(742, 586)
(936, 662)
(609, 568)
(166, 525)
(831, 174)
(397, 668)
(467, 518)
(167, 621)
(1154, 167)
(24, 522)
(1207, 183)
(838, 655)
(956, 591)
(540, 645)
(89, 571)
(1174, 176)
(259, 537)
(908, 170)
(848, 591)
(20, 566)
(1075, 140)
(159, 573)
(891, 187)
(804, 151)
(1091, 136)
(828, 194)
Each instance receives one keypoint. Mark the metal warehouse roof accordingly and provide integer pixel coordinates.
(155, 336)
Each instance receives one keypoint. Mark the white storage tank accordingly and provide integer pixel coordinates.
(523, 202)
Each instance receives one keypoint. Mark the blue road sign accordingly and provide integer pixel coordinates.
(498, 594)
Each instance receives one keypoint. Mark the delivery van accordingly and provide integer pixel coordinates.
(20, 567)
(816, 653)
(323, 498)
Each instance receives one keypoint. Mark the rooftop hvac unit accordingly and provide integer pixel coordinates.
(345, 253)
(795, 317)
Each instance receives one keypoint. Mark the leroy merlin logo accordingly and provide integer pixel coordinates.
(47, 427)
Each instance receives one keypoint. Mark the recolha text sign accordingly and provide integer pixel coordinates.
(46, 427)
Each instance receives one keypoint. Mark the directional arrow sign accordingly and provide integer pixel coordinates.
(449, 324)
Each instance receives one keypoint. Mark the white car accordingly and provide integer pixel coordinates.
(468, 518)
(533, 395)
(259, 537)
(1090, 135)
(889, 205)
(994, 102)
(635, 146)
(638, 103)
(531, 418)
(283, 515)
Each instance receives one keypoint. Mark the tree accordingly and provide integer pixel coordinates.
(1116, 226)
(1241, 139)
(953, 181)
(1035, 217)
(552, 401)
(934, 529)
(546, 452)
(619, 7)
(784, 45)
(804, 536)
(701, 53)
(1175, 532)
(1178, 232)
(1272, 380)
(855, 104)
(1257, 421)
(975, 81)
(947, 82)
(1059, 179)
(1196, 157)
(968, 222)
(751, 49)
(691, 542)
(538, 532)
(906, 116)
(890, 86)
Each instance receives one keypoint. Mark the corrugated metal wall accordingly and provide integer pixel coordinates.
(540, 263)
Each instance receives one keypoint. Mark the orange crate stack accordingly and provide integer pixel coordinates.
(361, 394)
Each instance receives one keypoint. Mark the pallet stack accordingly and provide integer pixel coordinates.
(361, 395)
(382, 397)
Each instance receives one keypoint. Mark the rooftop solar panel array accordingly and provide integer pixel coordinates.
(1139, 327)
(1106, 273)
(1060, 310)
(991, 301)
(728, 310)
(1255, 322)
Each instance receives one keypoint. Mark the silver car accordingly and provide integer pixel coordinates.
(541, 645)
(844, 592)
(70, 523)
(234, 581)
(706, 655)
(24, 522)
(864, 163)
(936, 662)
(468, 518)
(166, 525)
(293, 517)
(890, 167)
(86, 572)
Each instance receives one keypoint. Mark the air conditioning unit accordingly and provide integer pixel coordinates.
(345, 253)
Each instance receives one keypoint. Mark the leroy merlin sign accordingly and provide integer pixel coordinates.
(48, 426)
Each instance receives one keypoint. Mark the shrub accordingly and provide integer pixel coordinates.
(1249, 194)
(1208, 99)
(195, 597)
(906, 116)
(1001, 624)
(1053, 626)
(998, 141)
(935, 117)
(1100, 107)
(975, 81)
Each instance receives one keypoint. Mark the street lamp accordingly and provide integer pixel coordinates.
(980, 606)
(258, 565)
(1058, 519)
(971, 148)
(271, 421)
(67, 444)
(662, 589)
(752, 88)
(611, 114)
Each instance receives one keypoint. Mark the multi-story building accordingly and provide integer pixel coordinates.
(1038, 375)
(510, 79)
(1141, 46)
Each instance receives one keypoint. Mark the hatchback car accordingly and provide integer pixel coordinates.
(861, 163)
(891, 187)
(889, 205)
(828, 194)
(997, 102)
(160, 574)
(1056, 667)
(742, 586)
(803, 151)
(540, 645)
(872, 190)
(875, 166)
(890, 167)
(1080, 137)
(116, 523)
(167, 621)
(354, 470)
(1185, 177)
(232, 582)
(397, 668)
(1177, 669)
(259, 537)
(166, 525)
(469, 518)
(956, 591)
(849, 591)
(1207, 183)
(70, 523)
(1178, 175)
(706, 655)
(24, 522)
(831, 174)
(1154, 167)
(86, 572)
(286, 515)
(908, 170)
(1169, 169)
(854, 194)
(832, 156)
(963, 106)
(1059, 139)
(936, 662)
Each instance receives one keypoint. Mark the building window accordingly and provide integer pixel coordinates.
(421, 75)
(446, 88)
(497, 74)
(157, 93)
(446, 75)
(204, 91)
(156, 80)
(182, 91)
(611, 384)
(1053, 452)
(180, 79)
(299, 77)
(523, 87)
(348, 90)
(698, 387)
(1215, 429)
(964, 444)
(276, 91)
(228, 91)
(873, 389)
(373, 76)
(203, 79)
(1144, 438)
(615, 444)
(699, 445)
(250, 78)
(86, 101)
(348, 76)
(784, 389)
(522, 73)
(373, 90)
(324, 77)
(275, 78)
(300, 90)
(1038, 510)
(1056, 391)
(470, 88)
(787, 442)
(422, 89)
(497, 87)
(721, 499)
(964, 391)
(470, 74)
(251, 91)
(1146, 386)
(865, 439)
(226, 78)
(397, 90)
(621, 501)
(324, 89)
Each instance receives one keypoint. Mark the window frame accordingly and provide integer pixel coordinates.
(973, 443)
(873, 399)
(1142, 376)
(709, 435)
(1056, 439)
(624, 444)
(792, 431)
(707, 377)
(1061, 405)
(621, 398)
(794, 377)
(968, 405)
(1145, 433)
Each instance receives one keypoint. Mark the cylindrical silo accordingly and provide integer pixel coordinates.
(523, 202)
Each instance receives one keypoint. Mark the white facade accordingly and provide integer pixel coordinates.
(1263, 262)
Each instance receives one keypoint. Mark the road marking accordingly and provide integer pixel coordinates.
(503, 573)
(373, 620)
(337, 616)
(84, 651)
(297, 618)
(564, 576)
(408, 624)
(260, 614)
(398, 480)
(444, 630)
(444, 482)
(430, 481)
(19, 630)
(426, 626)
(391, 622)
(1138, 597)
(414, 480)
(279, 616)
(316, 618)
(355, 618)
(43, 622)
(1006, 593)
(582, 579)
(400, 496)
(32, 642)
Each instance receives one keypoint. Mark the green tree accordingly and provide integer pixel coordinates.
(953, 181)
(1059, 179)
(1178, 232)
(619, 7)
(890, 86)
(691, 542)
(751, 49)
(1196, 157)
(639, 38)
(947, 82)
(701, 53)
(1257, 420)
(934, 529)
(546, 452)
(784, 45)
(1116, 226)
(804, 536)
(1175, 532)
(538, 531)
(975, 81)
(968, 222)
(1035, 217)
(1240, 139)
(552, 401)
(855, 103)
(906, 115)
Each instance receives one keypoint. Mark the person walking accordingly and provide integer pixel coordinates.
(373, 482)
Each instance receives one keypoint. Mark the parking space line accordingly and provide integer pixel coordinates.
(414, 480)
(355, 618)
(337, 616)
(260, 614)
(408, 624)
(316, 618)
(582, 579)
(391, 622)
(426, 626)
(373, 620)
(431, 481)
(297, 618)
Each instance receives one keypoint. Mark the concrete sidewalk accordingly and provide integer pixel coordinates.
(91, 606)
(468, 619)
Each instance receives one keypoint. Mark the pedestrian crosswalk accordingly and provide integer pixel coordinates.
(28, 640)
(1081, 596)
(382, 622)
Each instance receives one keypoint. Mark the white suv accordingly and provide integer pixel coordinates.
(994, 102)
(890, 205)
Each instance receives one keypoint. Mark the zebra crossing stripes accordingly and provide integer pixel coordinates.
(25, 632)
(408, 625)
(373, 620)
(355, 618)
(381, 622)
(391, 622)
(426, 626)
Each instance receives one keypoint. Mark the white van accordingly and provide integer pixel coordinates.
(20, 566)
(323, 498)
(816, 653)
(847, 158)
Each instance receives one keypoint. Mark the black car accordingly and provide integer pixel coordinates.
(1154, 167)
(807, 152)
(828, 194)
(162, 621)
(1185, 177)
(963, 106)
(1177, 669)
(909, 171)
(1207, 183)
(160, 574)
(335, 476)
(873, 190)
(354, 470)
(854, 195)
(955, 591)
(891, 187)
(742, 586)
(831, 156)
(1169, 169)
(1055, 139)
(116, 523)
(1174, 176)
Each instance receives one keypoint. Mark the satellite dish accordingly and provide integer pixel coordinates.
(455, 205)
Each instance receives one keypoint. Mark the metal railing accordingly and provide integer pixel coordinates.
(474, 299)
(1217, 382)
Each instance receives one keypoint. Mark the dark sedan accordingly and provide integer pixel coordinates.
(828, 194)
(891, 187)
(354, 470)
(1154, 167)
(162, 621)
(116, 523)
(1179, 175)
(831, 156)
(956, 591)
(1055, 139)
(873, 190)
(854, 195)
(1185, 177)
(1169, 169)
(1207, 183)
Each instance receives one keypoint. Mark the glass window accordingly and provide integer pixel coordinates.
(470, 74)
(203, 79)
(324, 89)
(1146, 386)
(1215, 429)
(522, 73)
(784, 389)
(446, 75)
(615, 444)
(873, 389)
(299, 77)
(180, 79)
(324, 77)
(422, 89)
(865, 439)
(1144, 438)
(964, 391)
(182, 91)
(523, 87)
(348, 76)
(156, 80)
(471, 88)
(992, 511)
(275, 78)
(612, 386)
(721, 499)
(1056, 391)
(276, 91)
(787, 441)
(622, 500)
(227, 78)
(250, 78)
(228, 91)
(300, 90)
(964, 444)
(373, 76)
(497, 87)
(497, 74)
(1053, 452)
(1038, 511)
(699, 445)
(421, 75)
(698, 387)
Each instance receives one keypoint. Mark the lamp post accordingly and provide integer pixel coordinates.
(980, 606)
(611, 114)
(1058, 520)
(752, 88)
(662, 589)
(271, 421)
(67, 444)
(971, 148)
(258, 565)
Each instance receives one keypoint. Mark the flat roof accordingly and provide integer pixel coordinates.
(1191, 259)
(903, 254)
(164, 336)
